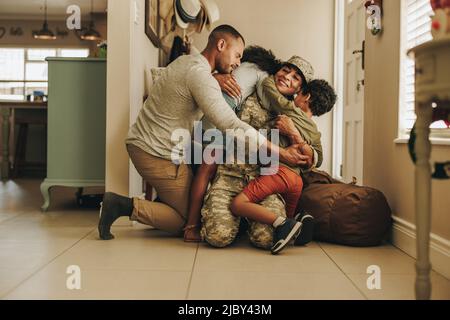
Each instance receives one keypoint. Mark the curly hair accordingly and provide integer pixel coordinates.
(264, 59)
(323, 97)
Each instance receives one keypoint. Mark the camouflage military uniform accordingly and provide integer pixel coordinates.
(220, 226)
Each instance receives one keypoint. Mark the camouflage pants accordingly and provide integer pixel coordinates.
(220, 226)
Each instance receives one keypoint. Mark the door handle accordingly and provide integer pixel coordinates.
(363, 52)
(360, 84)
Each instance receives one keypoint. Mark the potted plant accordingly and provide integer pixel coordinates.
(102, 49)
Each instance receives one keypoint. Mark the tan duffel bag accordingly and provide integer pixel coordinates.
(345, 213)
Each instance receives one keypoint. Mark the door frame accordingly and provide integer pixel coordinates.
(338, 111)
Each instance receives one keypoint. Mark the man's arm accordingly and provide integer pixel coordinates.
(207, 94)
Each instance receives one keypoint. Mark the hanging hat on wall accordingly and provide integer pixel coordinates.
(186, 11)
(199, 24)
(201, 21)
(212, 12)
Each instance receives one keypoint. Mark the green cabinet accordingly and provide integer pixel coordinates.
(76, 124)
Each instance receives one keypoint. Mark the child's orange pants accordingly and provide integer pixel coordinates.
(286, 182)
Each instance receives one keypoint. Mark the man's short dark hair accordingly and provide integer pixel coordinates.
(323, 97)
(222, 30)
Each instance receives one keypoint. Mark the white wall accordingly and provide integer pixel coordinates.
(130, 55)
(144, 57)
(288, 27)
(387, 165)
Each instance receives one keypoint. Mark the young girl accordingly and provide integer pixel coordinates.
(257, 64)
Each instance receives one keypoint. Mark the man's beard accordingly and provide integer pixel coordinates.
(223, 70)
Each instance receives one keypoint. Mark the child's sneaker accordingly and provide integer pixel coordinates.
(299, 215)
(283, 234)
(307, 231)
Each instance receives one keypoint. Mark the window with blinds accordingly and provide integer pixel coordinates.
(416, 30)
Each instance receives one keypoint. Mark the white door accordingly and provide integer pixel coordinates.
(353, 128)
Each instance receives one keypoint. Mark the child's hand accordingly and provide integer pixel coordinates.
(192, 234)
(228, 84)
(286, 126)
(307, 151)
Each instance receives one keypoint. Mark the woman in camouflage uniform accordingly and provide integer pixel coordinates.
(220, 226)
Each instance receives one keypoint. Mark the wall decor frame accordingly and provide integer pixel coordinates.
(152, 21)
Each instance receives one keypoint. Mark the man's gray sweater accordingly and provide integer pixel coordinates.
(184, 93)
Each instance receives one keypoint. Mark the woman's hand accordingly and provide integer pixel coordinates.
(228, 84)
(306, 150)
(293, 156)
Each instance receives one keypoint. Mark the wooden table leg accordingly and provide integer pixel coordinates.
(423, 201)
(5, 152)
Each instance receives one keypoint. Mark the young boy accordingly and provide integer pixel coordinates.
(316, 99)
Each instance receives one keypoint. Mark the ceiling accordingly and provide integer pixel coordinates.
(30, 8)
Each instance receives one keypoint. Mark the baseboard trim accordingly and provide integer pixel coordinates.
(404, 237)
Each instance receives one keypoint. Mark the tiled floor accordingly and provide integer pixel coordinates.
(37, 248)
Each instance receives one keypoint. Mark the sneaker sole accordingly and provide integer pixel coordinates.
(282, 243)
(100, 211)
(307, 233)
